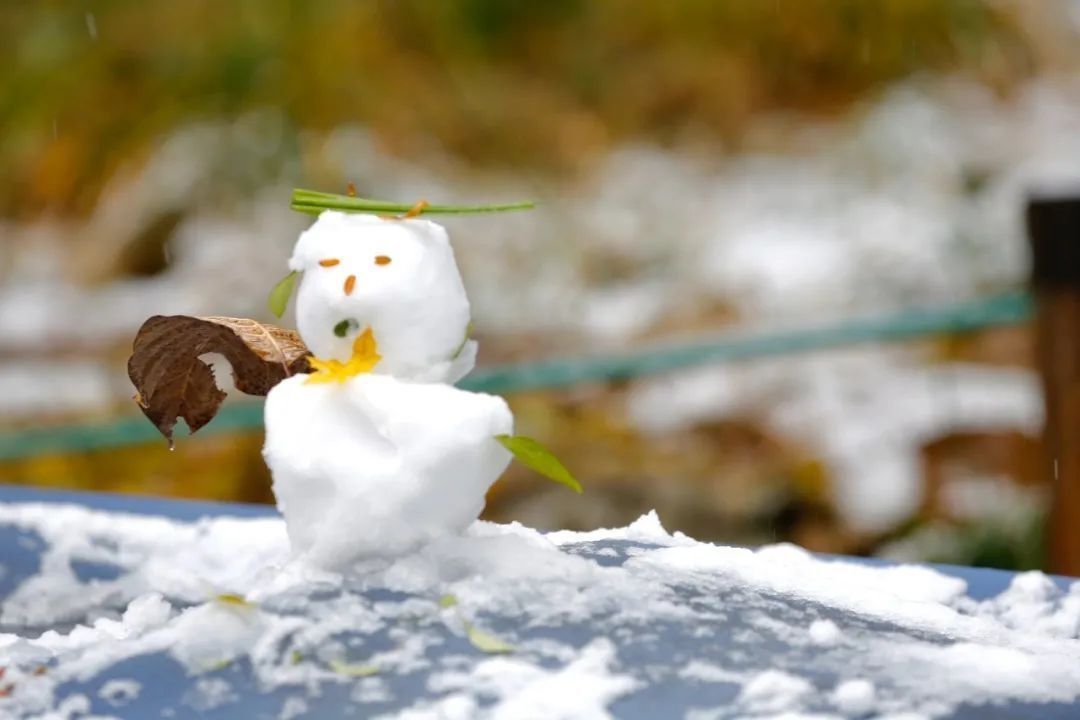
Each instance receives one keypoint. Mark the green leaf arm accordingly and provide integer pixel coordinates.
(537, 457)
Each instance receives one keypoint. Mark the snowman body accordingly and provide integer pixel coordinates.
(380, 466)
(380, 457)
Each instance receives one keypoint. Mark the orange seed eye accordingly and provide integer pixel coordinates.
(329, 262)
(382, 259)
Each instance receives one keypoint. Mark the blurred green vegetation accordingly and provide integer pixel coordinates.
(507, 83)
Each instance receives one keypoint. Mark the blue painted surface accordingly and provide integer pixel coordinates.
(186, 510)
(666, 643)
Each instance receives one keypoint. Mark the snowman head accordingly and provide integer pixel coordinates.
(397, 277)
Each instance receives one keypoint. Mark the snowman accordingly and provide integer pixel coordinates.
(376, 453)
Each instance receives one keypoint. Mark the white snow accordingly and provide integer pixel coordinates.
(293, 708)
(774, 691)
(824, 633)
(1034, 604)
(646, 528)
(912, 640)
(787, 568)
(581, 690)
(709, 672)
(854, 697)
(210, 693)
(193, 561)
(120, 692)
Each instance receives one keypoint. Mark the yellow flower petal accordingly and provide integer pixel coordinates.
(364, 359)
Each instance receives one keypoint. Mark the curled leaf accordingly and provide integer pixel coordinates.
(486, 642)
(353, 669)
(171, 381)
(280, 294)
(447, 601)
(537, 457)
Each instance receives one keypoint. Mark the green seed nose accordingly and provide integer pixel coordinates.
(343, 328)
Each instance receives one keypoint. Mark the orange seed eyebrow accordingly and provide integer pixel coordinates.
(329, 262)
(382, 259)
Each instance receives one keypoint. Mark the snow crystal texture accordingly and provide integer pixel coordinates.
(123, 615)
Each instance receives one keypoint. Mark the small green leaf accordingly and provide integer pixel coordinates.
(447, 601)
(537, 457)
(296, 657)
(468, 332)
(279, 296)
(486, 642)
(353, 669)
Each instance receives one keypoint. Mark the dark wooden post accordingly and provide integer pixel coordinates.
(1054, 231)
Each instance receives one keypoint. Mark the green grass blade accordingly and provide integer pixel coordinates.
(313, 202)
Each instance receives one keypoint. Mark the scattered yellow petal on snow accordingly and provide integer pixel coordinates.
(485, 641)
(233, 599)
(353, 669)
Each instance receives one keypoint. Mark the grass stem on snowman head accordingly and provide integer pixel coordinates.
(312, 202)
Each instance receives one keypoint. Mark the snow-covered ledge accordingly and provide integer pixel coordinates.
(129, 615)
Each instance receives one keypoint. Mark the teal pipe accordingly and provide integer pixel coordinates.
(1007, 309)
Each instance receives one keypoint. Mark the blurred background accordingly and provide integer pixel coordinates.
(704, 168)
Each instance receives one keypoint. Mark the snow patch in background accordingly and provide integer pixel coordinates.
(865, 411)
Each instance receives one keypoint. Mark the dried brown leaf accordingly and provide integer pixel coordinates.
(172, 382)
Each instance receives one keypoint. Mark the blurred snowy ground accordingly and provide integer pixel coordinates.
(916, 198)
